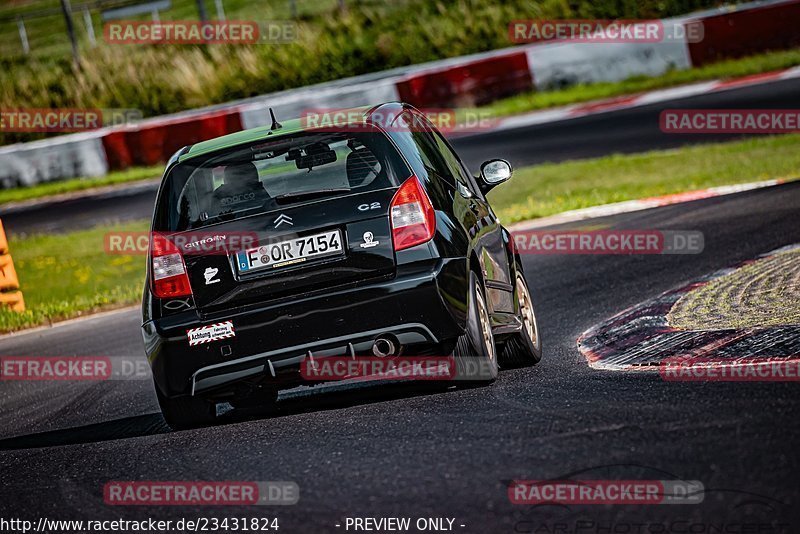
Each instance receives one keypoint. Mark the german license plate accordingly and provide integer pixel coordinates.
(290, 252)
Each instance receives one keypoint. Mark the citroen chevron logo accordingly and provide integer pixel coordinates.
(283, 218)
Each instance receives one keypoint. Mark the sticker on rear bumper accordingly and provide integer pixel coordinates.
(209, 333)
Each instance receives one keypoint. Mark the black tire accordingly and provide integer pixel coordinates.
(186, 412)
(525, 348)
(475, 352)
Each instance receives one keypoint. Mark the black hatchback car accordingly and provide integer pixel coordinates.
(277, 246)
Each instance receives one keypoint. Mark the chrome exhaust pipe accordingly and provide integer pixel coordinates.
(383, 347)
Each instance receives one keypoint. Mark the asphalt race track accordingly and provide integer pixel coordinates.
(405, 451)
(624, 131)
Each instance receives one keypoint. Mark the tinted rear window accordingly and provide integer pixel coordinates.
(251, 179)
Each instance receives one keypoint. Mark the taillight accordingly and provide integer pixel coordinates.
(413, 217)
(169, 278)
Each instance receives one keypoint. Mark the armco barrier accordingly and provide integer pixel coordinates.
(118, 154)
(474, 83)
(67, 156)
(741, 32)
(153, 142)
(294, 103)
(563, 63)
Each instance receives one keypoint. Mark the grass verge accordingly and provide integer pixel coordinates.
(734, 68)
(552, 188)
(69, 275)
(19, 194)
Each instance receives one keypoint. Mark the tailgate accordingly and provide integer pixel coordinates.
(324, 243)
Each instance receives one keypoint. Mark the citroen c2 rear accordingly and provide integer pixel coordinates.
(351, 256)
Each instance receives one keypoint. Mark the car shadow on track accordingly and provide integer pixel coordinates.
(316, 399)
(304, 401)
(127, 427)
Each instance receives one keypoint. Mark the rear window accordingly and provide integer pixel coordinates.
(252, 179)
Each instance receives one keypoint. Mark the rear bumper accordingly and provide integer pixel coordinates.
(420, 306)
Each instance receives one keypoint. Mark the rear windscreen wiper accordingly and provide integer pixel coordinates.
(309, 194)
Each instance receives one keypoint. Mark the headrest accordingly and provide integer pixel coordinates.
(362, 167)
(241, 175)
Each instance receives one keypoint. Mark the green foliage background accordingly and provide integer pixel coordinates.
(369, 36)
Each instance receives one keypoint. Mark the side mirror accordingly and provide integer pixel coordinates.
(493, 172)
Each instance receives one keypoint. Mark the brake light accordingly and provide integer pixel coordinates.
(413, 217)
(168, 274)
